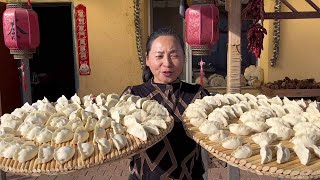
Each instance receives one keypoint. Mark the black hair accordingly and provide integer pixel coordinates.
(167, 31)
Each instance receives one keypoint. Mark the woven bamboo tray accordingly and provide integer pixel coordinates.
(292, 169)
(134, 146)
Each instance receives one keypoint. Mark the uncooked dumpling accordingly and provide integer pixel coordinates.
(150, 128)
(117, 128)
(195, 113)
(112, 96)
(45, 154)
(133, 98)
(90, 124)
(257, 126)
(80, 135)
(276, 100)
(250, 97)
(251, 115)
(104, 122)
(232, 98)
(119, 141)
(278, 109)
(25, 152)
(36, 118)
(282, 132)
(140, 102)
(101, 99)
(316, 150)
(203, 104)
(218, 136)
(6, 130)
(209, 127)
(242, 152)
(75, 99)
(262, 96)
(157, 121)
(292, 108)
(8, 150)
(57, 120)
(303, 153)
(265, 154)
(231, 142)
(306, 140)
(32, 132)
(98, 133)
(219, 117)
(104, 146)
(263, 138)
(300, 128)
(276, 121)
(283, 154)
(61, 135)
(293, 119)
(63, 154)
(75, 123)
(45, 135)
(197, 121)
(139, 114)
(86, 150)
(138, 131)
(63, 101)
(128, 120)
(229, 111)
(240, 129)
(213, 101)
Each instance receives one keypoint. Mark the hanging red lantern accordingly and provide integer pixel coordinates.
(21, 30)
(202, 26)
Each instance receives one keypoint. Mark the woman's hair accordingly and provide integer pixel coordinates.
(167, 31)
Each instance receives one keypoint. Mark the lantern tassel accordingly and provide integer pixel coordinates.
(201, 63)
(22, 68)
(29, 3)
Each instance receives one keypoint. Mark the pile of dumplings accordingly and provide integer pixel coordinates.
(287, 126)
(37, 131)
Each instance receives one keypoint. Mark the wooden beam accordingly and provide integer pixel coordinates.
(312, 4)
(285, 2)
(234, 47)
(290, 15)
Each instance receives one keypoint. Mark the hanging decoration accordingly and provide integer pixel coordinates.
(82, 40)
(256, 33)
(202, 26)
(21, 30)
(138, 31)
(276, 35)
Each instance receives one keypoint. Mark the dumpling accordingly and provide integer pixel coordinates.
(25, 152)
(213, 101)
(117, 128)
(195, 113)
(263, 102)
(250, 97)
(6, 130)
(63, 154)
(242, 152)
(119, 141)
(241, 97)
(253, 104)
(101, 99)
(263, 138)
(261, 96)
(32, 132)
(45, 154)
(276, 121)
(265, 154)
(139, 114)
(197, 121)
(231, 142)
(45, 135)
(306, 140)
(128, 120)
(282, 132)
(251, 115)
(218, 136)
(312, 109)
(36, 118)
(315, 149)
(86, 150)
(293, 119)
(157, 121)
(63, 101)
(283, 154)
(8, 150)
(13, 124)
(278, 109)
(101, 112)
(245, 106)
(302, 103)
(61, 135)
(303, 153)
(113, 96)
(75, 99)
(229, 111)
(266, 112)
(90, 124)
(138, 131)
(292, 108)
(75, 123)
(47, 107)
(240, 129)
(111, 103)
(300, 128)
(257, 126)
(140, 102)
(209, 127)
(125, 96)
(104, 146)
(237, 108)
(150, 128)
(98, 133)
(133, 98)
(57, 120)
(276, 100)
(232, 98)
(80, 135)
(20, 113)
(222, 99)
(158, 110)
(218, 116)
(104, 122)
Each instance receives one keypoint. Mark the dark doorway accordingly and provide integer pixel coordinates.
(53, 66)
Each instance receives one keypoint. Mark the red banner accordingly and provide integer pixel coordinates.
(82, 39)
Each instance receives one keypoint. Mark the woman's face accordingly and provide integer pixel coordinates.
(165, 59)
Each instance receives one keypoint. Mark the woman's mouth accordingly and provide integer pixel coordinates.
(167, 73)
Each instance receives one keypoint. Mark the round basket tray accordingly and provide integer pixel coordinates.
(292, 169)
(134, 146)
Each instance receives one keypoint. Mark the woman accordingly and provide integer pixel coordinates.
(176, 156)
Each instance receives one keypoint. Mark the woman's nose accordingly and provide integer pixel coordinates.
(167, 62)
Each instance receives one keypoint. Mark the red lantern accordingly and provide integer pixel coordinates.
(21, 30)
(202, 27)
